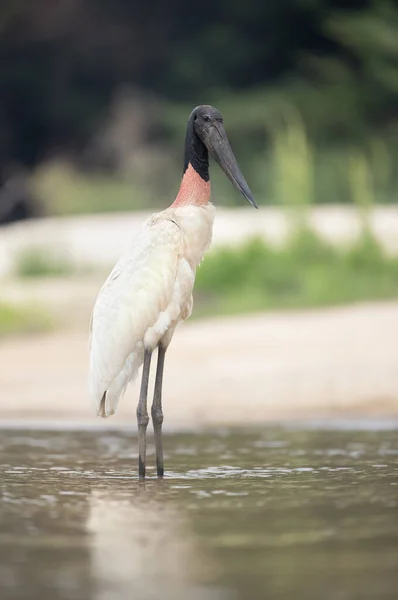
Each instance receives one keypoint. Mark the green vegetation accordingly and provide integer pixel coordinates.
(322, 74)
(22, 319)
(293, 172)
(64, 190)
(39, 263)
(306, 272)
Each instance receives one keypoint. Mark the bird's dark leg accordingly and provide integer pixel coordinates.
(142, 414)
(157, 413)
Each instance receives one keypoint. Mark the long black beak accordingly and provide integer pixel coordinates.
(218, 146)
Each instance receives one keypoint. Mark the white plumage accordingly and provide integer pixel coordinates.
(150, 289)
(145, 296)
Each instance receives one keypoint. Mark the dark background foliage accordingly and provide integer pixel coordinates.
(63, 62)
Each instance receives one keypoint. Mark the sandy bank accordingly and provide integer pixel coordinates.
(247, 369)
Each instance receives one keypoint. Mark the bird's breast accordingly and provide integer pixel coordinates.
(196, 224)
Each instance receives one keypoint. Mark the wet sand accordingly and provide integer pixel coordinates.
(227, 371)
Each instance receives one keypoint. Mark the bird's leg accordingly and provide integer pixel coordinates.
(142, 414)
(157, 413)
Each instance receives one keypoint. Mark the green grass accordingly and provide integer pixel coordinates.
(39, 263)
(306, 272)
(22, 319)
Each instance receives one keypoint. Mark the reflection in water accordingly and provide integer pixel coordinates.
(272, 513)
(141, 548)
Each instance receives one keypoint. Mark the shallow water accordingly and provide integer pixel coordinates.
(272, 513)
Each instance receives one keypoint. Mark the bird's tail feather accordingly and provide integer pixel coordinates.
(107, 403)
(110, 401)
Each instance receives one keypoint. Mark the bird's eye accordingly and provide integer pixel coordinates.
(206, 118)
(195, 117)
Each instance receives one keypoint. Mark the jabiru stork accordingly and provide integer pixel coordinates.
(149, 291)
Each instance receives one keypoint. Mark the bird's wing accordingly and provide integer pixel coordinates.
(130, 302)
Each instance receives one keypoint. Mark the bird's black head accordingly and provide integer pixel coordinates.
(203, 117)
(205, 125)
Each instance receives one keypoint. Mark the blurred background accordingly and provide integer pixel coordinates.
(295, 320)
(94, 101)
(95, 97)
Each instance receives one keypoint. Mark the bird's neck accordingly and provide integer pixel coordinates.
(195, 183)
(194, 190)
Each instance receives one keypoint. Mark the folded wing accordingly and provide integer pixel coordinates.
(134, 299)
